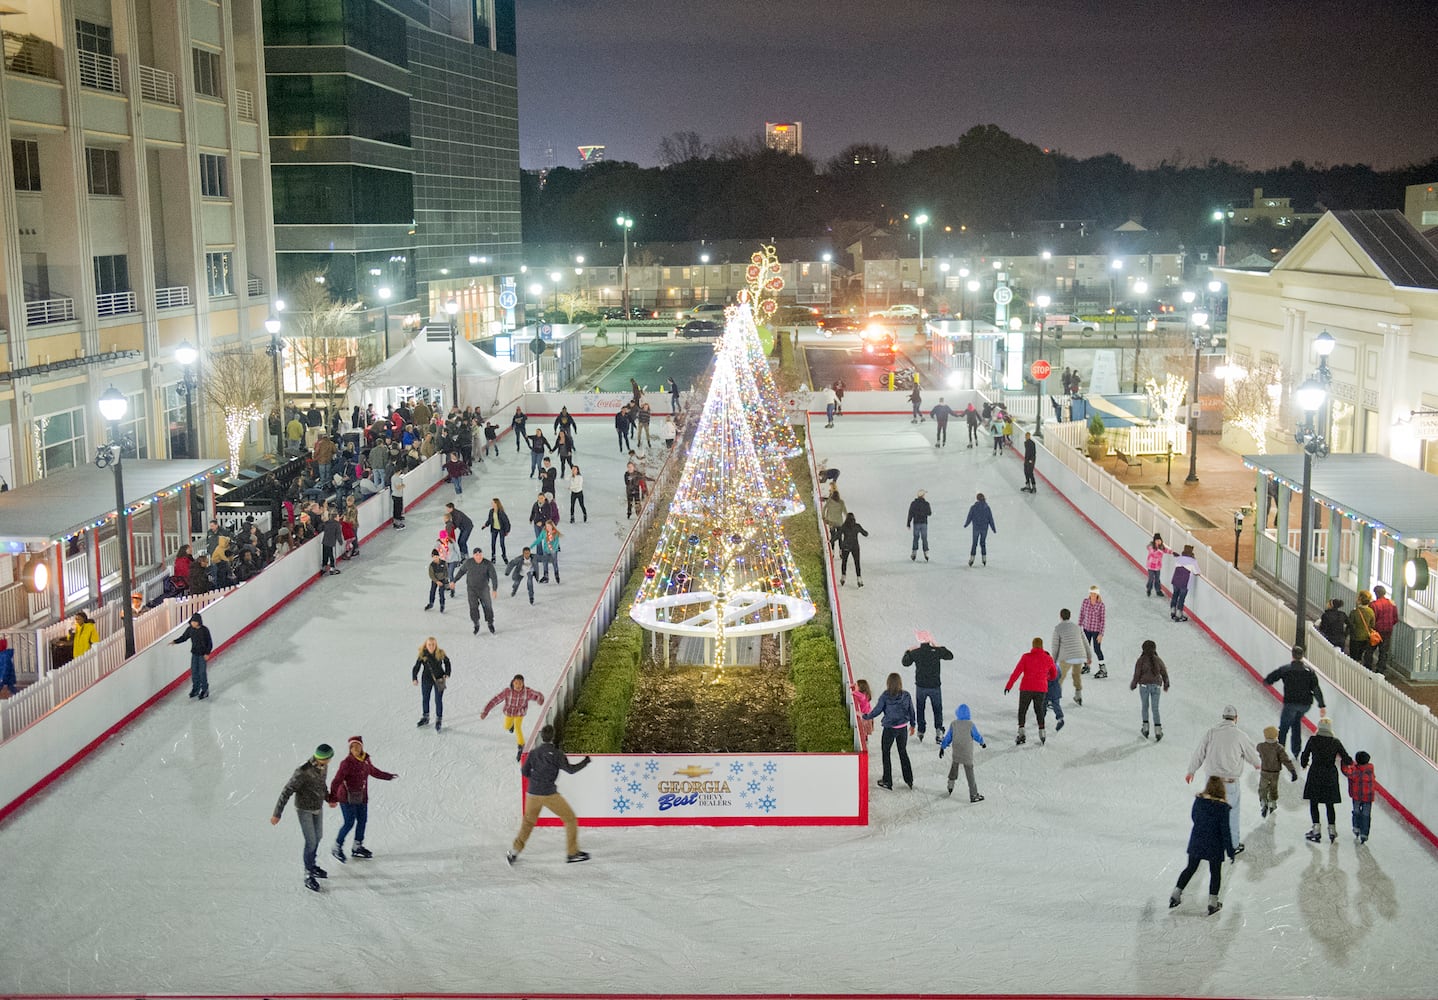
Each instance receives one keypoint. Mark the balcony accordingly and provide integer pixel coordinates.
(38, 312)
(173, 297)
(256, 287)
(157, 85)
(245, 105)
(99, 72)
(115, 303)
(29, 54)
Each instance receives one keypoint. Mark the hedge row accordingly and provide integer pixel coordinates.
(596, 723)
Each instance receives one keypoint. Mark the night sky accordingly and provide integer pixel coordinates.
(1263, 81)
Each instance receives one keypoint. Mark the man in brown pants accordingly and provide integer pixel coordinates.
(542, 767)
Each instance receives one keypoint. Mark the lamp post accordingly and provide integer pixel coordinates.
(1323, 346)
(1311, 396)
(1237, 531)
(1221, 217)
(1140, 288)
(275, 350)
(1197, 321)
(452, 308)
(1042, 301)
(625, 223)
(186, 355)
(921, 220)
(972, 287)
(555, 278)
(113, 406)
(384, 294)
(828, 282)
(1114, 266)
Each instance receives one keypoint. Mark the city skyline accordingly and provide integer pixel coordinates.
(1085, 78)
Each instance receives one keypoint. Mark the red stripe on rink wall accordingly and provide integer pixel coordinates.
(628, 996)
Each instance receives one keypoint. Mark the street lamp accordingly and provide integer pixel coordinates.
(452, 308)
(186, 355)
(625, 224)
(1140, 288)
(1042, 301)
(1221, 217)
(277, 348)
(1197, 321)
(1311, 396)
(384, 294)
(1237, 531)
(555, 278)
(921, 220)
(972, 287)
(1323, 346)
(113, 406)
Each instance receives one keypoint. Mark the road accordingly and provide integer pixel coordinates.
(848, 363)
(651, 365)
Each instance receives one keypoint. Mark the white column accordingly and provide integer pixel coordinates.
(1392, 369)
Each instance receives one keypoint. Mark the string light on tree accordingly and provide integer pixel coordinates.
(768, 444)
(765, 281)
(742, 337)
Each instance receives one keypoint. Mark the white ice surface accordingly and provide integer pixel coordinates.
(152, 866)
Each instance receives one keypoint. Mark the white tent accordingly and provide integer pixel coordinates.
(484, 380)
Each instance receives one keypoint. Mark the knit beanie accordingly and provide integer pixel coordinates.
(1325, 726)
(324, 752)
(357, 739)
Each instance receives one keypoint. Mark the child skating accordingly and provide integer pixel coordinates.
(962, 735)
(516, 700)
(863, 702)
(1275, 759)
(1361, 786)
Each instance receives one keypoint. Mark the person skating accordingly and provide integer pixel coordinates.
(202, 644)
(431, 674)
(633, 490)
(1300, 691)
(673, 396)
(455, 470)
(350, 788)
(462, 526)
(546, 550)
(548, 477)
(941, 414)
(1211, 840)
(1362, 786)
(1056, 702)
(1321, 756)
(516, 698)
(396, 499)
(542, 767)
(481, 587)
(962, 734)
(916, 399)
(517, 424)
(623, 422)
(1185, 572)
(1033, 673)
(919, 511)
(542, 511)
(440, 579)
(1031, 455)
(1093, 617)
(332, 538)
(833, 514)
(996, 434)
(497, 521)
(1153, 563)
(1070, 650)
(1275, 759)
(981, 520)
(831, 403)
(565, 422)
(576, 494)
(1150, 679)
(538, 445)
(971, 421)
(897, 709)
(1223, 751)
(926, 657)
(849, 533)
(521, 569)
(307, 787)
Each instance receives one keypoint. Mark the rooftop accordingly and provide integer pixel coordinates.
(1407, 257)
(71, 500)
(1395, 498)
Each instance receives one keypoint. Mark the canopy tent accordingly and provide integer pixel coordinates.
(484, 380)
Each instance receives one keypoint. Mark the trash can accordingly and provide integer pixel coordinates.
(62, 651)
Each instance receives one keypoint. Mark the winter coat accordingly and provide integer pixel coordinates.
(201, 644)
(543, 765)
(982, 518)
(519, 567)
(565, 422)
(1036, 668)
(919, 511)
(334, 532)
(83, 637)
(351, 780)
(436, 666)
(1385, 615)
(1069, 644)
(1333, 626)
(1361, 783)
(516, 703)
(307, 786)
(1149, 670)
(1274, 758)
(183, 564)
(497, 519)
(961, 736)
(1300, 684)
(835, 510)
(543, 543)
(547, 478)
(1360, 623)
(480, 576)
(1153, 558)
(439, 571)
(199, 580)
(1223, 750)
(1321, 756)
(537, 443)
(1185, 571)
(1092, 616)
(849, 533)
(925, 660)
(971, 416)
(1212, 837)
(942, 412)
(576, 484)
(455, 469)
(897, 710)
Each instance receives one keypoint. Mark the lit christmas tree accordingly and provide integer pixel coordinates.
(741, 337)
(772, 442)
(722, 567)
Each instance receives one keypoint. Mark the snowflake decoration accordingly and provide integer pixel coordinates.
(616, 768)
(770, 767)
(736, 769)
(622, 804)
(651, 767)
(635, 787)
(753, 786)
(768, 803)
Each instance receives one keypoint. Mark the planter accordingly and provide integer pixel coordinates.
(1097, 450)
(601, 339)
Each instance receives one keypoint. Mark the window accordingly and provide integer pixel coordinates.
(332, 104)
(359, 24)
(112, 274)
(26, 155)
(214, 178)
(96, 38)
(61, 439)
(341, 195)
(1429, 218)
(102, 168)
(207, 72)
(135, 424)
(219, 276)
(176, 429)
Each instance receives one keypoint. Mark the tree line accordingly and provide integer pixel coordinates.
(987, 181)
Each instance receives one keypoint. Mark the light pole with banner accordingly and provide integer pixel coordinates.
(451, 307)
(1198, 320)
(537, 347)
(113, 406)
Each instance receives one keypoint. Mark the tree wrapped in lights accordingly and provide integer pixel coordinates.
(741, 339)
(765, 283)
(1166, 398)
(722, 567)
(238, 383)
(773, 442)
(1250, 400)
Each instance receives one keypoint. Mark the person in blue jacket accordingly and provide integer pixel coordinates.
(1210, 841)
(981, 519)
(897, 708)
(7, 667)
(962, 736)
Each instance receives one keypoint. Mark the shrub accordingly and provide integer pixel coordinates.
(1096, 427)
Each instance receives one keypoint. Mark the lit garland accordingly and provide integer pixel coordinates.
(741, 336)
(237, 425)
(1297, 487)
(140, 505)
(764, 281)
(769, 449)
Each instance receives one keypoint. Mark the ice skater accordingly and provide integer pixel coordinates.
(350, 788)
(897, 708)
(926, 657)
(1321, 756)
(1223, 751)
(863, 701)
(1031, 455)
(576, 494)
(1093, 616)
(1361, 788)
(438, 574)
(431, 674)
(962, 735)
(981, 520)
(849, 533)
(1070, 650)
(1150, 677)
(481, 587)
(542, 768)
(833, 513)
(202, 645)
(516, 698)
(1153, 562)
(1300, 691)
(521, 569)
(919, 511)
(497, 521)
(307, 787)
(1033, 673)
(941, 414)
(971, 421)
(916, 399)
(1210, 840)
(1275, 759)
(1185, 572)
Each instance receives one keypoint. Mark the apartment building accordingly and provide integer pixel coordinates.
(136, 216)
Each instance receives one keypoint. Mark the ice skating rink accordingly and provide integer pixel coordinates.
(152, 866)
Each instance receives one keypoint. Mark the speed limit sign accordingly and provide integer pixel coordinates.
(1003, 295)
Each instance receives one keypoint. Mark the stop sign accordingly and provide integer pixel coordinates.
(1040, 369)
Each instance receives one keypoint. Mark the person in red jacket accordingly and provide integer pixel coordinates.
(350, 788)
(516, 700)
(1361, 789)
(1034, 671)
(1385, 617)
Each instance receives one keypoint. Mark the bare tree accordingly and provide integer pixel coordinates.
(364, 364)
(237, 382)
(323, 338)
(681, 147)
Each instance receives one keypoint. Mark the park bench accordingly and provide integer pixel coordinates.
(1129, 462)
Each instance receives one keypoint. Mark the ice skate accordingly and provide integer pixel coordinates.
(976, 798)
(1313, 835)
(986, 560)
(861, 581)
(971, 560)
(886, 784)
(438, 723)
(951, 788)
(1102, 673)
(1085, 668)
(1174, 898)
(1078, 698)
(319, 872)
(1058, 725)
(361, 851)
(1157, 733)
(338, 853)
(422, 722)
(578, 856)
(1332, 834)
(511, 857)
(913, 556)
(1239, 849)
(1043, 738)
(841, 580)
(1263, 810)
(1213, 905)
(311, 884)
(1144, 730)
(926, 555)
(1021, 739)
(428, 606)
(519, 754)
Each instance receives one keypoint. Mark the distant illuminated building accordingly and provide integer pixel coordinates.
(786, 137)
(590, 155)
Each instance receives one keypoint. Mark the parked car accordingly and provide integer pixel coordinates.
(708, 310)
(795, 316)
(1066, 323)
(612, 313)
(878, 342)
(699, 328)
(839, 324)
(901, 311)
(643, 312)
